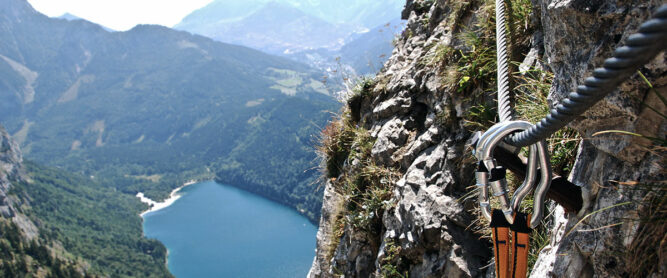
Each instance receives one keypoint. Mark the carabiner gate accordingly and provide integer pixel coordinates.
(489, 173)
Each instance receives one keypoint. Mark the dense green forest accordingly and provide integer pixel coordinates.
(21, 258)
(90, 221)
(271, 155)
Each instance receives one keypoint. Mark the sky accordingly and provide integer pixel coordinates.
(122, 15)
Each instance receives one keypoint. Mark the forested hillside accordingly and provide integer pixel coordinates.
(57, 224)
(150, 108)
(92, 222)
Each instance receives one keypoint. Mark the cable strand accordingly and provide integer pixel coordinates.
(641, 48)
(502, 64)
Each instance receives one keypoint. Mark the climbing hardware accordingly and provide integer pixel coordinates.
(511, 228)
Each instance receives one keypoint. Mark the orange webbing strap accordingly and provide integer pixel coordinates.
(516, 264)
(520, 244)
(501, 243)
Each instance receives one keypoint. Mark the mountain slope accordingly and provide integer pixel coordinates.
(92, 222)
(367, 53)
(274, 28)
(312, 32)
(27, 247)
(361, 13)
(155, 102)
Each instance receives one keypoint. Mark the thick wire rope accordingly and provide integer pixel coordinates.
(502, 64)
(640, 48)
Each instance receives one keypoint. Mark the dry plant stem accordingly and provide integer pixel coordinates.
(593, 213)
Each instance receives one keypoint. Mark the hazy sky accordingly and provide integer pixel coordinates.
(122, 15)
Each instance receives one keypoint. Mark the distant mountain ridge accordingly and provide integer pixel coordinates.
(280, 28)
(365, 54)
(275, 27)
(365, 13)
(312, 32)
(70, 17)
(362, 13)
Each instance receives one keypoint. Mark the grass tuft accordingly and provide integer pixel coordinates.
(361, 91)
(335, 141)
(647, 250)
(531, 105)
(345, 150)
(390, 264)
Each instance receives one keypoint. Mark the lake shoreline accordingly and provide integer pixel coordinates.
(214, 228)
(253, 190)
(155, 206)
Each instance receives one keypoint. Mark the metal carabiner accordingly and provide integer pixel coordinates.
(538, 154)
(482, 173)
(482, 178)
(531, 175)
(543, 187)
(498, 184)
(484, 137)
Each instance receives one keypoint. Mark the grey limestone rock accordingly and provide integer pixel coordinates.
(331, 206)
(11, 171)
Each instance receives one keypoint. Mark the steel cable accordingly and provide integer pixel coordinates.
(640, 49)
(502, 64)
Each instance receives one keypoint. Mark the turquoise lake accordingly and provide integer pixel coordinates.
(216, 230)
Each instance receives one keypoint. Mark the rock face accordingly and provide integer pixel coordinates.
(418, 112)
(11, 171)
(10, 159)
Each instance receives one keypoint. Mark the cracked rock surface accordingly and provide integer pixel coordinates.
(11, 171)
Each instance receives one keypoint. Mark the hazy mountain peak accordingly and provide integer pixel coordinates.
(273, 26)
(280, 12)
(363, 13)
(219, 11)
(280, 6)
(69, 16)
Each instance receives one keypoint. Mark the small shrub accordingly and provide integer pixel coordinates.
(480, 117)
(334, 146)
(477, 65)
(438, 56)
(336, 235)
(390, 263)
(363, 89)
(368, 188)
